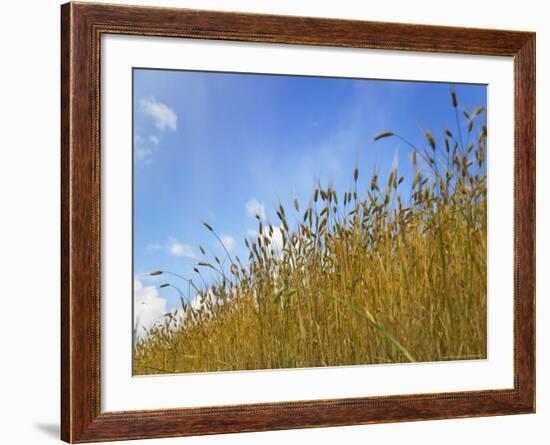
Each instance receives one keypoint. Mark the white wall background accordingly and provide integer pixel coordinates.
(29, 229)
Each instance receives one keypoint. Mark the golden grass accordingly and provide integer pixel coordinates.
(366, 276)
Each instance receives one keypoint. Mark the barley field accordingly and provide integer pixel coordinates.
(391, 270)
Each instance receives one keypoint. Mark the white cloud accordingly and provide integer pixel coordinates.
(143, 152)
(275, 241)
(145, 147)
(173, 247)
(179, 249)
(142, 149)
(153, 246)
(255, 208)
(163, 116)
(149, 308)
(228, 242)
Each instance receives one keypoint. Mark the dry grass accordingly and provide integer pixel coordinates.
(370, 275)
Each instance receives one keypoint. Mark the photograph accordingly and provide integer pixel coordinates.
(289, 221)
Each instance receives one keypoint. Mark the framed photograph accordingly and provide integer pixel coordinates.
(274, 222)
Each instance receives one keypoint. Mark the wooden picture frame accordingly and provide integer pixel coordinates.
(82, 25)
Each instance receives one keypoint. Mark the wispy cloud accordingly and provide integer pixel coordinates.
(153, 246)
(141, 148)
(179, 249)
(228, 242)
(173, 247)
(145, 147)
(163, 116)
(255, 208)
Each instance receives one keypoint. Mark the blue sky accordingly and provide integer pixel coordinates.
(221, 147)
